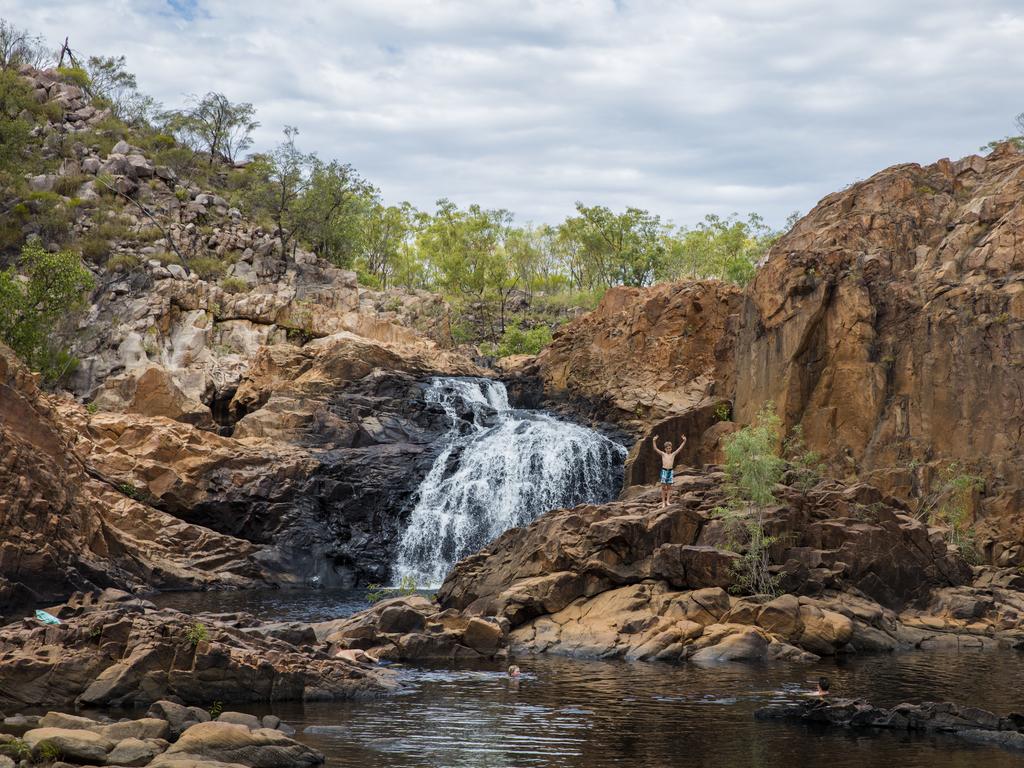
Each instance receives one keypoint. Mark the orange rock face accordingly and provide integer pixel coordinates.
(647, 354)
(888, 323)
(64, 526)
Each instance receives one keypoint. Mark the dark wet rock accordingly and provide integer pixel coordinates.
(971, 723)
(322, 478)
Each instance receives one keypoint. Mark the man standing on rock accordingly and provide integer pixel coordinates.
(668, 461)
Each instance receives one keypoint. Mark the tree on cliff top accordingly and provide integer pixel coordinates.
(214, 125)
(1018, 123)
(110, 81)
(19, 47)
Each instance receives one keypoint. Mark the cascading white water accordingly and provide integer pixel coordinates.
(501, 467)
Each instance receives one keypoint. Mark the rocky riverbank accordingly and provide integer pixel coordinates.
(115, 650)
(171, 735)
(628, 579)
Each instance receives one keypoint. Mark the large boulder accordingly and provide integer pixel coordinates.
(73, 743)
(231, 743)
(134, 752)
(746, 644)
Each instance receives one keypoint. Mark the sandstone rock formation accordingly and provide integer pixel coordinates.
(66, 526)
(630, 579)
(126, 653)
(889, 323)
(232, 740)
(332, 440)
(414, 628)
(645, 354)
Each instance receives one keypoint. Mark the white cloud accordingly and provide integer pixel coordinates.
(680, 107)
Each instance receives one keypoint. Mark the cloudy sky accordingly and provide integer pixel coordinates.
(683, 107)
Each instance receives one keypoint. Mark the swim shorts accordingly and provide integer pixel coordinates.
(666, 476)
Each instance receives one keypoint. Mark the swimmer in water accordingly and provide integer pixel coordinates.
(823, 686)
(513, 671)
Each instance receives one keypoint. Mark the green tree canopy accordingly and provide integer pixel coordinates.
(214, 125)
(617, 248)
(44, 290)
(727, 248)
(110, 80)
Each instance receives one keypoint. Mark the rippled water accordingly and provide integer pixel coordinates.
(598, 714)
(270, 604)
(594, 714)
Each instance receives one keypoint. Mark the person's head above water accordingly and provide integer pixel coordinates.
(513, 670)
(823, 685)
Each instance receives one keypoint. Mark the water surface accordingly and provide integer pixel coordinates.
(598, 714)
(310, 605)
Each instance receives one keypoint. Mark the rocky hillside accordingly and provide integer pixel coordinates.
(249, 399)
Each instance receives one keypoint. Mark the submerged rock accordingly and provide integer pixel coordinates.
(970, 723)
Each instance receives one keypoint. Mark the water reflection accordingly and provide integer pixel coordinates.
(597, 714)
(270, 604)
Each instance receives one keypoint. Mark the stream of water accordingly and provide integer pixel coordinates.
(501, 467)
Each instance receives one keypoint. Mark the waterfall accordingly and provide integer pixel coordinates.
(501, 467)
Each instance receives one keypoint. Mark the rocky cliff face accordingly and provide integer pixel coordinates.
(65, 525)
(645, 354)
(890, 324)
